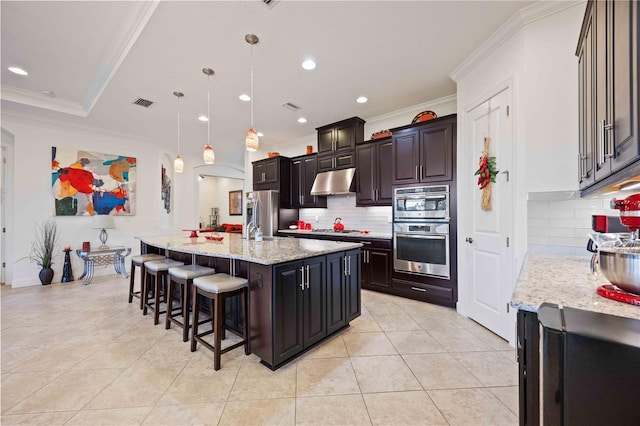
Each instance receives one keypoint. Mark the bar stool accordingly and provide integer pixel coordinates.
(139, 261)
(184, 276)
(217, 288)
(159, 271)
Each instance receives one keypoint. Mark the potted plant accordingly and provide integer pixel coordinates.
(42, 249)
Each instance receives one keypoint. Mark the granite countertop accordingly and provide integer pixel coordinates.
(370, 235)
(566, 281)
(233, 246)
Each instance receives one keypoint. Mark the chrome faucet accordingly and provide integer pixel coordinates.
(251, 230)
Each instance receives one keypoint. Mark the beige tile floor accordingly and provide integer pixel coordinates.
(81, 355)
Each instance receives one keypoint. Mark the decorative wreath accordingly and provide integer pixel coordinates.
(486, 173)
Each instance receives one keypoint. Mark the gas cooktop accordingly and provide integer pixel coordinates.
(344, 231)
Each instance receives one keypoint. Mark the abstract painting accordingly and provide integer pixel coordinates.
(235, 203)
(165, 188)
(86, 183)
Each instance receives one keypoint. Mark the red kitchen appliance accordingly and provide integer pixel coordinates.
(337, 226)
(629, 211)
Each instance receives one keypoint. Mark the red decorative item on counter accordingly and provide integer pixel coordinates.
(337, 226)
(629, 211)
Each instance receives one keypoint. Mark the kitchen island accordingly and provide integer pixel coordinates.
(564, 281)
(300, 291)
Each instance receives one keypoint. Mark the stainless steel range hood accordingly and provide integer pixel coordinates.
(335, 182)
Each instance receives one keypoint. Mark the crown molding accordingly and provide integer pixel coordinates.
(525, 16)
(130, 29)
(446, 100)
(35, 99)
(122, 43)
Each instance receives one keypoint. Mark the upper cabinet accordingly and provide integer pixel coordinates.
(273, 173)
(424, 152)
(608, 93)
(303, 173)
(373, 173)
(337, 143)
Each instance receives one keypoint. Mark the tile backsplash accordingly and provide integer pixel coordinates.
(560, 221)
(374, 219)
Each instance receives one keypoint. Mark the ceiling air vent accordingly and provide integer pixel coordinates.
(270, 3)
(143, 102)
(290, 106)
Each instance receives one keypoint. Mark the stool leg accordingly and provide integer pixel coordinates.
(143, 283)
(167, 322)
(219, 318)
(156, 310)
(195, 308)
(185, 311)
(245, 320)
(147, 288)
(133, 268)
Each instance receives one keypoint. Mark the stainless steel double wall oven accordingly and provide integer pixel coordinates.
(421, 230)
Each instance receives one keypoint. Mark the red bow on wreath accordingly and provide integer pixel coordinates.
(486, 174)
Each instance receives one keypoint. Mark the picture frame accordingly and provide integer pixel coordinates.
(235, 203)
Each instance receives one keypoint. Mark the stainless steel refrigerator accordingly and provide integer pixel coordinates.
(263, 209)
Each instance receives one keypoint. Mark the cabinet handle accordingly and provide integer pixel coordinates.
(349, 265)
(264, 177)
(419, 289)
(601, 151)
(417, 173)
(308, 276)
(610, 144)
(581, 165)
(344, 264)
(421, 171)
(302, 278)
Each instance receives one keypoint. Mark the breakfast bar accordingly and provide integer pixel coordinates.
(301, 291)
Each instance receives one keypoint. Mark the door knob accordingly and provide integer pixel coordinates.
(469, 240)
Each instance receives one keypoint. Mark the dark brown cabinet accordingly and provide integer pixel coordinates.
(608, 92)
(300, 306)
(374, 173)
(303, 173)
(337, 143)
(528, 351)
(424, 152)
(377, 263)
(274, 174)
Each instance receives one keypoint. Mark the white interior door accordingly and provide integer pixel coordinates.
(488, 251)
(3, 192)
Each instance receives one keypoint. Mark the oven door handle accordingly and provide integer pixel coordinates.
(422, 236)
(421, 197)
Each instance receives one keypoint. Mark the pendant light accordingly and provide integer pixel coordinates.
(251, 141)
(208, 154)
(178, 164)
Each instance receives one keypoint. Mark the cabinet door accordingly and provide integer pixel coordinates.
(314, 301)
(309, 172)
(336, 293)
(436, 151)
(384, 196)
(326, 163)
(587, 127)
(272, 171)
(296, 183)
(325, 140)
(352, 278)
(406, 157)
(345, 135)
(365, 175)
(623, 83)
(288, 320)
(258, 174)
(603, 156)
(379, 263)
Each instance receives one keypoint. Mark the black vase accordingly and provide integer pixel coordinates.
(46, 276)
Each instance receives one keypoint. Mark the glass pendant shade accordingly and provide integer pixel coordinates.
(178, 165)
(251, 141)
(208, 155)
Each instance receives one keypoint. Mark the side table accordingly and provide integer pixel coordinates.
(111, 256)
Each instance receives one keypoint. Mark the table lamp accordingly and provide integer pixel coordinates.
(103, 221)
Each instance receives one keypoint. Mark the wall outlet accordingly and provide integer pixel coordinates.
(317, 219)
(389, 219)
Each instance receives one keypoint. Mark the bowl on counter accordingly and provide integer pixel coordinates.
(293, 227)
(214, 237)
(621, 266)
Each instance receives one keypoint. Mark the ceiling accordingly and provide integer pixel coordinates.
(98, 57)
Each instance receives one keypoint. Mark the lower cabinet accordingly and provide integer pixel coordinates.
(299, 315)
(377, 263)
(528, 345)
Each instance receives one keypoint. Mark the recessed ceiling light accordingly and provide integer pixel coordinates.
(18, 70)
(362, 99)
(260, 134)
(244, 97)
(203, 118)
(309, 64)
(302, 120)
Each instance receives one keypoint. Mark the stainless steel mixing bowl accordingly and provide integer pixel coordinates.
(621, 266)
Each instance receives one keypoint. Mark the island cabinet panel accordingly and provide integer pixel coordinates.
(288, 315)
(336, 293)
(528, 350)
(352, 280)
(300, 303)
